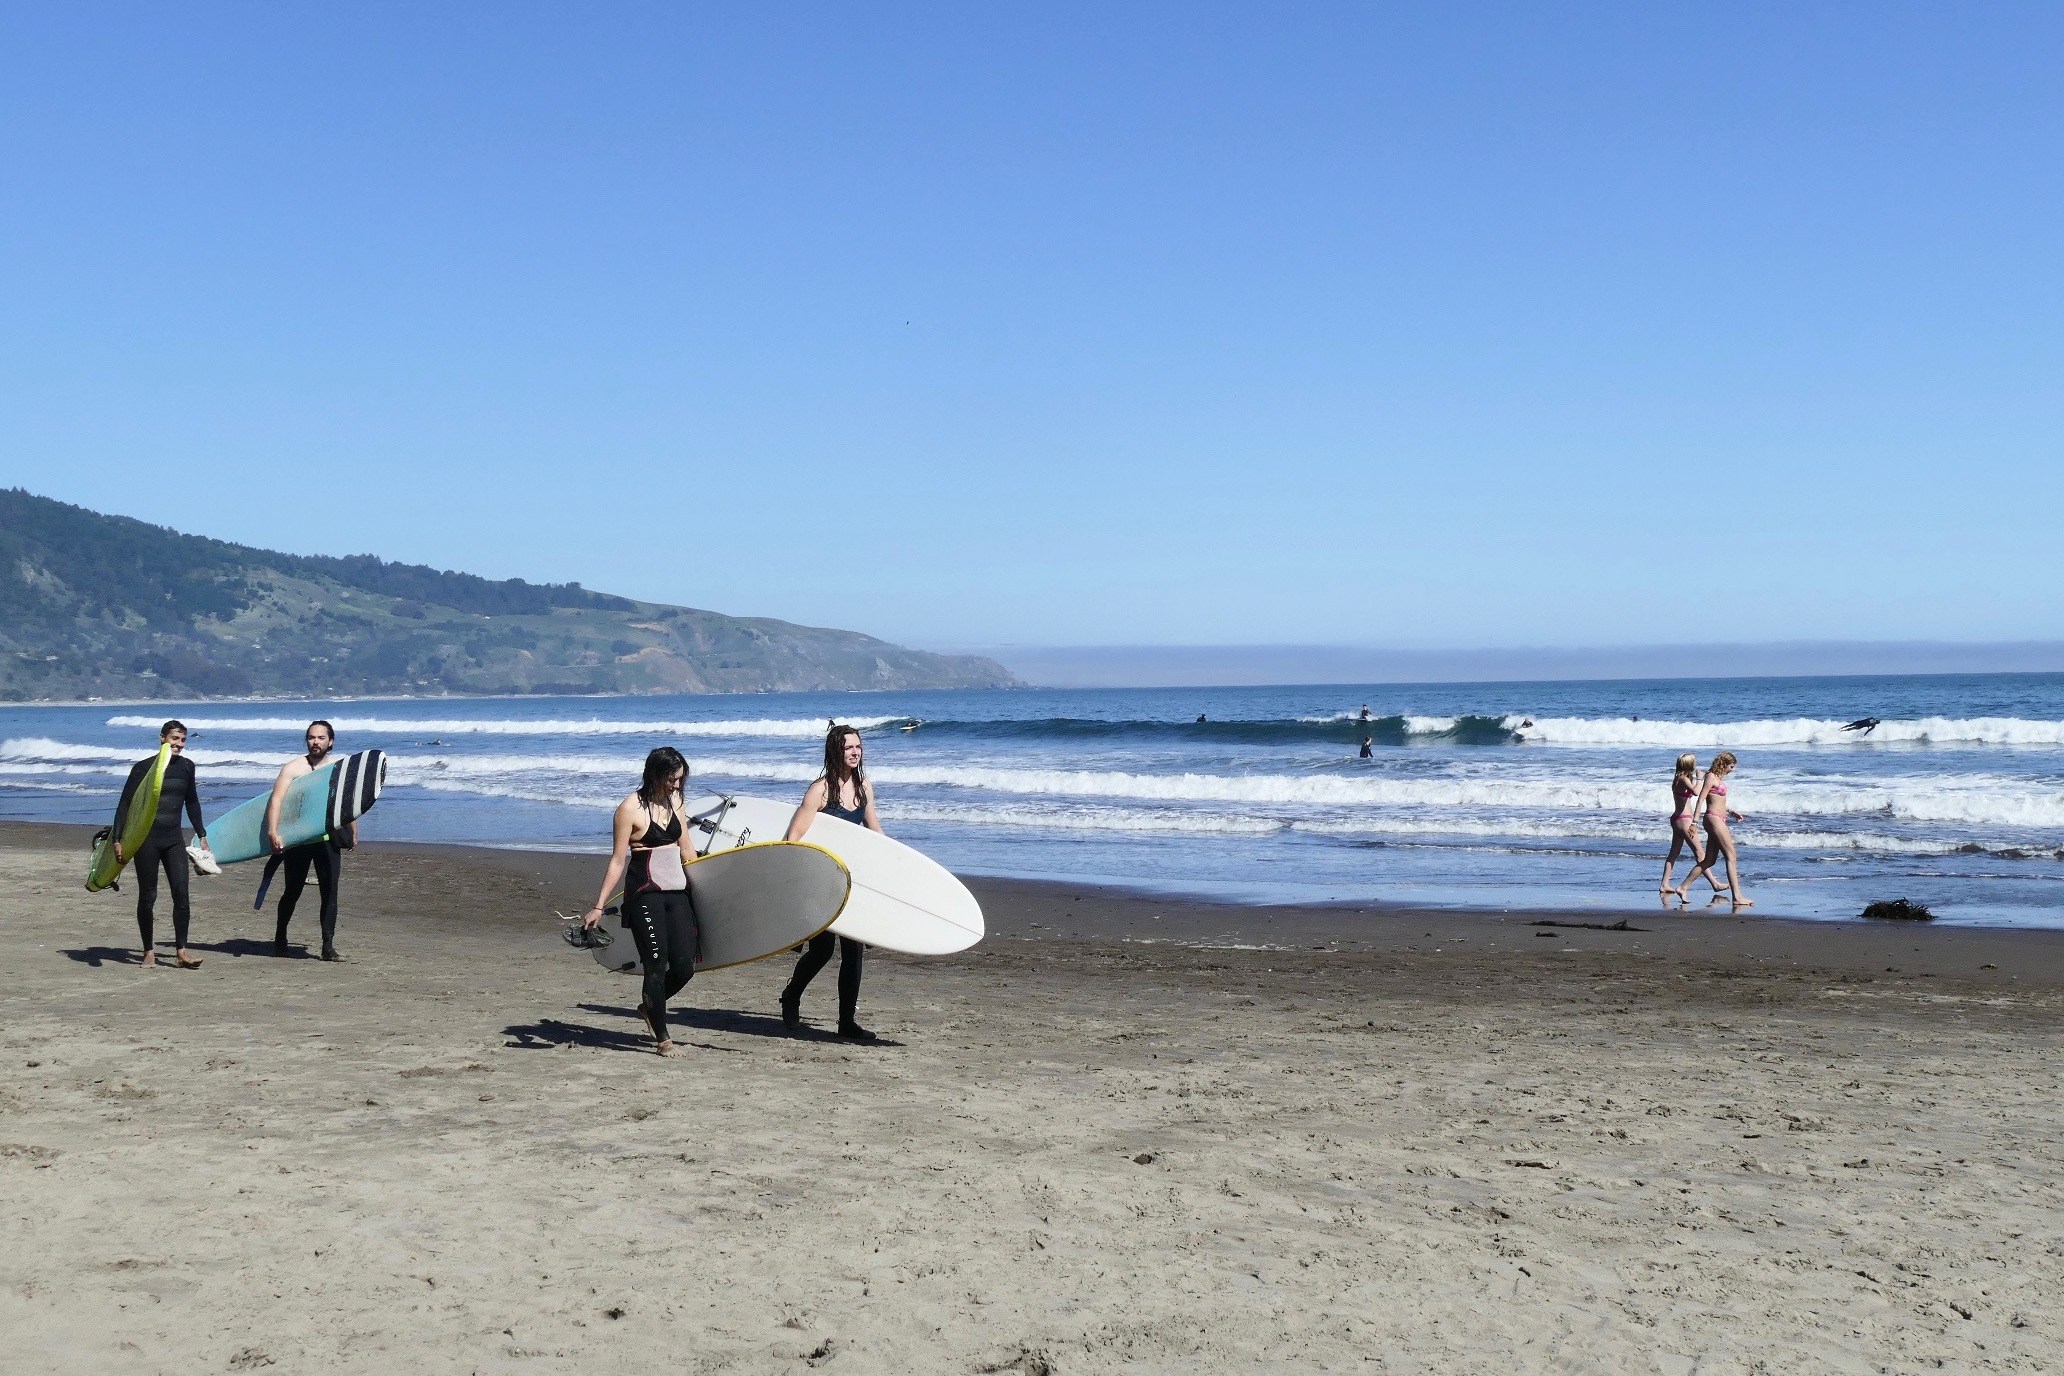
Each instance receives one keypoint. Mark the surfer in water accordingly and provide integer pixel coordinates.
(645, 858)
(165, 846)
(324, 856)
(1367, 742)
(842, 792)
(1863, 725)
(1719, 841)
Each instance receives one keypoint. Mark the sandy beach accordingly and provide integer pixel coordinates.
(1123, 1133)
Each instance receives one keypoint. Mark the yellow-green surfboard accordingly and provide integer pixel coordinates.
(143, 811)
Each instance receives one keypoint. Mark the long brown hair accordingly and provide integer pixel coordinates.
(657, 786)
(835, 766)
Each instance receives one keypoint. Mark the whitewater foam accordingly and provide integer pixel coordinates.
(1794, 731)
(804, 729)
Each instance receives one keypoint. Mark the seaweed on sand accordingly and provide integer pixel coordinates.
(1899, 910)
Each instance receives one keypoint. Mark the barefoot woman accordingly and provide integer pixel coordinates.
(645, 855)
(842, 792)
(1684, 798)
(1719, 841)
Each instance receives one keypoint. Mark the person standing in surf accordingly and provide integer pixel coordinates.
(842, 791)
(1684, 799)
(645, 858)
(165, 846)
(324, 856)
(1719, 841)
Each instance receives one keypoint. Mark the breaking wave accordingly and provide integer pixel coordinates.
(808, 728)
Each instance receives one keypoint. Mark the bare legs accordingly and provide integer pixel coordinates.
(1719, 844)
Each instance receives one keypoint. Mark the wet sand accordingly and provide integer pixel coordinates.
(1124, 1133)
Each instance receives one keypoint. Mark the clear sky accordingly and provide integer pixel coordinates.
(973, 325)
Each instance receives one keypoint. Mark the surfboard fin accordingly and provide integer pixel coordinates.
(271, 868)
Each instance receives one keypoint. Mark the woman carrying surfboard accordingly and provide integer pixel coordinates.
(165, 846)
(842, 792)
(645, 858)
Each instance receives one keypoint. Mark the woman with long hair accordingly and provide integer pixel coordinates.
(841, 791)
(645, 857)
(1684, 800)
(1719, 841)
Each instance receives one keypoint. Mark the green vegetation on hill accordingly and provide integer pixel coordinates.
(94, 605)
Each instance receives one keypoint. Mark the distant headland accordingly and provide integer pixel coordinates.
(93, 605)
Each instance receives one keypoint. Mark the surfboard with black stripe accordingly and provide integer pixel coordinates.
(355, 786)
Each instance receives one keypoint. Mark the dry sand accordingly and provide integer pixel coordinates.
(1093, 1144)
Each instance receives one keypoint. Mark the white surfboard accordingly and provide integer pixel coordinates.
(902, 899)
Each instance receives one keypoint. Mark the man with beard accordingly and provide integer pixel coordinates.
(322, 855)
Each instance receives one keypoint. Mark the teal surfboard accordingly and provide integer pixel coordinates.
(317, 804)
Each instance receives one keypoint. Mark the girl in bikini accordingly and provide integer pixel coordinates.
(1719, 842)
(645, 856)
(1684, 793)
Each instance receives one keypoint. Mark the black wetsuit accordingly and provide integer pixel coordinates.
(325, 857)
(662, 921)
(818, 953)
(1367, 753)
(165, 846)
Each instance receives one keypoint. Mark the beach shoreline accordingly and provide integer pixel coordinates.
(1049, 910)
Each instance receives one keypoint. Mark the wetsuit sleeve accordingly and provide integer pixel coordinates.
(136, 773)
(193, 800)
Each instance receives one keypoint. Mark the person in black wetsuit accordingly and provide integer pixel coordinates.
(1367, 753)
(165, 846)
(322, 856)
(645, 857)
(842, 792)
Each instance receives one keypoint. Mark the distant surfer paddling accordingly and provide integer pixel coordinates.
(165, 846)
(1863, 725)
(324, 855)
(645, 858)
(842, 791)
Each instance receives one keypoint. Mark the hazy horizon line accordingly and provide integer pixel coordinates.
(1228, 666)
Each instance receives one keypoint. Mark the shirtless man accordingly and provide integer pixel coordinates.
(322, 855)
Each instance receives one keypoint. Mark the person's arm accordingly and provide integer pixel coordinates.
(193, 805)
(272, 805)
(873, 818)
(813, 803)
(619, 857)
(136, 773)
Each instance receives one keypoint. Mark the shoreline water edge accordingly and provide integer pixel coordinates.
(1482, 796)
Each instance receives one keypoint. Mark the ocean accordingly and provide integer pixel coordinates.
(1487, 795)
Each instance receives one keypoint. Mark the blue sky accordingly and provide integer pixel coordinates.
(977, 326)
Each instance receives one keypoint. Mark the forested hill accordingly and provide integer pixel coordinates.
(94, 605)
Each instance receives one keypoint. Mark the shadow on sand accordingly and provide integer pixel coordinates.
(97, 956)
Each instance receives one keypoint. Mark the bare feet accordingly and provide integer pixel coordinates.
(1741, 903)
(667, 1049)
(150, 960)
(186, 962)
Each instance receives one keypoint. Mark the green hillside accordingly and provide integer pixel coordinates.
(94, 605)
